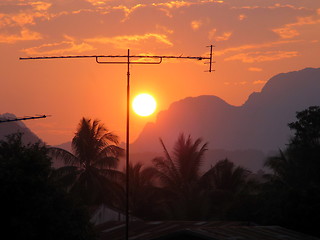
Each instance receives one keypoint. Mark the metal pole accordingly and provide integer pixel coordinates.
(127, 146)
(159, 57)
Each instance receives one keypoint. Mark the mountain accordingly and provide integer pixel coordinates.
(65, 146)
(7, 128)
(260, 124)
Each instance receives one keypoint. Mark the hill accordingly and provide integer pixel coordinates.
(260, 124)
(14, 127)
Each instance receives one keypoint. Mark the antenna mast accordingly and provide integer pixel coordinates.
(130, 59)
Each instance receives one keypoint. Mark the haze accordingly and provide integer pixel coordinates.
(254, 41)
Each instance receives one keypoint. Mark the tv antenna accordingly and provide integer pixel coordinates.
(22, 118)
(130, 59)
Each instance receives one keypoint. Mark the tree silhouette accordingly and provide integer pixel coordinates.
(144, 194)
(307, 128)
(91, 169)
(32, 206)
(182, 169)
(225, 176)
(179, 175)
(295, 179)
(227, 185)
(299, 164)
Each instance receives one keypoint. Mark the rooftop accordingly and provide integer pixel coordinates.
(189, 230)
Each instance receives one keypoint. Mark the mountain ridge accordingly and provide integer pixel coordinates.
(7, 128)
(245, 134)
(260, 123)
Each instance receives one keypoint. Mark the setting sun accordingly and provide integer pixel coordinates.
(144, 104)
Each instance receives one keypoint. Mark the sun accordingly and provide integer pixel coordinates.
(144, 104)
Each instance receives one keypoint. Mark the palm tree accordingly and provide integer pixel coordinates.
(90, 170)
(144, 194)
(179, 175)
(228, 185)
(181, 169)
(225, 176)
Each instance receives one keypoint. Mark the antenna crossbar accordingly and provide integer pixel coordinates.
(21, 119)
(128, 58)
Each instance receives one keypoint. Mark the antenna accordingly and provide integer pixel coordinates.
(129, 59)
(22, 118)
(128, 56)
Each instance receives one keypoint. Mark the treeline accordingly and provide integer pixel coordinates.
(173, 188)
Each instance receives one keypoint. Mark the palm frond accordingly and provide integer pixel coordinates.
(61, 154)
(109, 137)
(164, 172)
(65, 176)
(111, 150)
(173, 171)
(105, 162)
(111, 173)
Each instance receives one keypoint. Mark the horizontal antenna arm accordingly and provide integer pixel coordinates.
(21, 119)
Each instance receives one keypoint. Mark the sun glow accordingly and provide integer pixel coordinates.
(144, 104)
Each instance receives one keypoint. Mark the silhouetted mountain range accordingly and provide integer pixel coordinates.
(14, 127)
(245, 134)
(257, 127)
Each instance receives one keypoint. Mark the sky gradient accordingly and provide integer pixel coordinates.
(254, 40)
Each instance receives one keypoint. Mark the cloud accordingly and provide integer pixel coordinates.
(25, 35)
(259, 82)
(255, 69)
(180, 4)
(23, 13)
(128, 10)
(67, 46)
(173, 4)
(125, 40)
(40, 6)
(289, 31)
(164, 29)
(196, 24)
(225, 36)
(286, 32)
(235, 83)
(255, 46)
(20, 19)
(270, 4)
(253, 57)
(212, 35)
(96, 2)
(242, 17)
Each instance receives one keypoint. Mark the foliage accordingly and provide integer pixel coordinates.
(182, 169)
(296, 180)
(191, 195)
(32, 207)
(179, 175)
(227, 185)
(90, 172)
(307, 128)
(144, 194)
(174, 188)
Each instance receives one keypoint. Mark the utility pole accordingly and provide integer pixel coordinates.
(21, 119)
(128, 61)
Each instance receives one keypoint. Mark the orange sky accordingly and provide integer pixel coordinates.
(254, 40)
